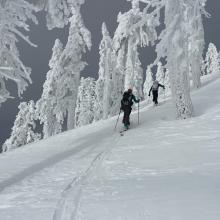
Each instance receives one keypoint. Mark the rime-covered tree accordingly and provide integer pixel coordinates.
(85, 102)
(23, 129)
(14, 18)
(160, 74)
(132, 24)
(131, 33)
(194, 10)
(174, 46)
(203, 68)
(4, 94)
(58, 12)
(104, 83)
(69, 66)
(130, 64)
(48, 101)
(138, 78)
(148, 82)
(98, 113)
(167, 90)
(212, 60)
(117, 83)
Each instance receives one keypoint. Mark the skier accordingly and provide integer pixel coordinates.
(154, 88)
(126, 103)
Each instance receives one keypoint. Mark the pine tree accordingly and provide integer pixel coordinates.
(196, 42)
(130, 64)
(23, 130)
(133, 32)
(58, 12)
(14, 18)
(148, 82)
(70, 66)
(174, 46)
(117, 83)
(138, 78)
(104, 82)
(99, 98)
(85, 102)
(4, 94)
(160, 75)
(167, 90)
(212, 60)
(45, 106)
(133, 70)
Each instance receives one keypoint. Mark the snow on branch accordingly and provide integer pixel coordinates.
(14, 16)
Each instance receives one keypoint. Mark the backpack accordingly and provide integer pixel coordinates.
(126, 100)
(155, 85)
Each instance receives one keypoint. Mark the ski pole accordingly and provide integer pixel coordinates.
(138, 113)
(117, 119)
(163, 84)
(148, 101)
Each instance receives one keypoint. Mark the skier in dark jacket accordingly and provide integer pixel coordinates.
(154, 88)
(126, 103)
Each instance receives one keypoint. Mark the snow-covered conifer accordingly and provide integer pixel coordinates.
(194, 10)
(48, 101)
(148, 82)
(58, 12)
(14, 18)
(132, 24)
(117, 82)
(167, 91)
(133, 70)
(160, 75)
(99, 89)
(212, 60)
(85, 102)
(70, 66)
(138, 78)
(104, 83)
(131, 33)
(4, 94)
(203, 68)
(23, 129)
(173, 46)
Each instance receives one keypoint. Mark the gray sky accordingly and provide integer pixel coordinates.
(94, 13)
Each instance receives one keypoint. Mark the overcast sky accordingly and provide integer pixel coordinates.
(94, 13)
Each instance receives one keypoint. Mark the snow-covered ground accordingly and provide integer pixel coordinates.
(163, 169)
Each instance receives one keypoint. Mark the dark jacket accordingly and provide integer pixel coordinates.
(128, 99)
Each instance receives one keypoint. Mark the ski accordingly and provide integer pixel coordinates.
(122, 132)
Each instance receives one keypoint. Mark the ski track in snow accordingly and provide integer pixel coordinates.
(40, 166)
(69, 205)
(48, 162)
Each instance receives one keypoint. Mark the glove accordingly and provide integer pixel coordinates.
(138, 100)
(149, 95)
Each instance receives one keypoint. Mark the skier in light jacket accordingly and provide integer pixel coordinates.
(154, 89)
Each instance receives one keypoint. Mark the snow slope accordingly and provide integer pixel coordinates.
(163, 169)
